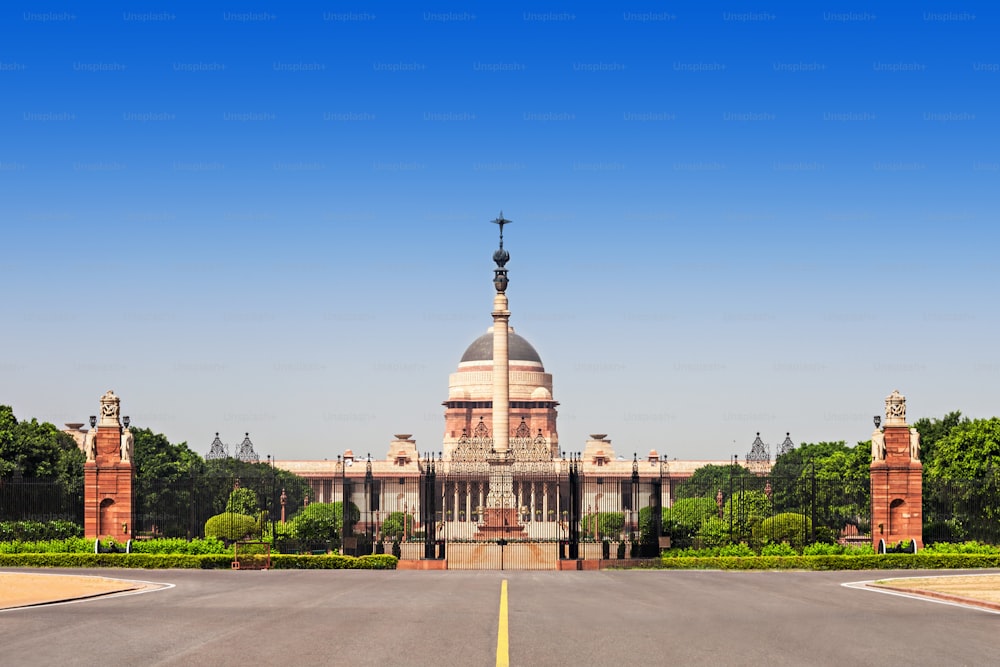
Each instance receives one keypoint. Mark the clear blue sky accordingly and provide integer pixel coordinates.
(274, 219)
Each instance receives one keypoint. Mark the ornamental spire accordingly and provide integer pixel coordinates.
(501, 257)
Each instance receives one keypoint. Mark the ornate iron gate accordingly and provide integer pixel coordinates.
(516, 526)
(509, 514)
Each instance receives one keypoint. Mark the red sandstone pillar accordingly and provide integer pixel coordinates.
(896, 479)
(108, 477)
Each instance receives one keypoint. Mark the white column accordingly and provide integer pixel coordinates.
(501, 375)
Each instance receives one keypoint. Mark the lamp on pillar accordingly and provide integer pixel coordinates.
(877, 419)
(665, 472)
(634, 512)
(93, 421)
(732, 469)
(368, 499)
(344, 525)
(126, 420)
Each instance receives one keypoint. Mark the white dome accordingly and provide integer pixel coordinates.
(541, 394)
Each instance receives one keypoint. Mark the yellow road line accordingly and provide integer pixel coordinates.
(503, 657)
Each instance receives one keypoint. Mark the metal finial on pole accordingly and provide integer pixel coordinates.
(501, 221)
(501, 257)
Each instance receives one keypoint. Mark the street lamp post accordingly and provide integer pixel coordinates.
(732, 470)
(658, 521)
(368, 502)
(343, 504)
(634, 512)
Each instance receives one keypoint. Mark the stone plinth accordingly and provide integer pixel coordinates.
(404, 564)
(499, 523)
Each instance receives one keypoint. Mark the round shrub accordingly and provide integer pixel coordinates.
(786, 527)
(320, 523)
(230, 527)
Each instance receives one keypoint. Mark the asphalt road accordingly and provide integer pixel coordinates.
(450, 618)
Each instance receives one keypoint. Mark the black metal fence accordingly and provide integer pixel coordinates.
(517, 516)
(544, 514)
(962, 510)
(758, 510)
(185, 507)
(32, 500)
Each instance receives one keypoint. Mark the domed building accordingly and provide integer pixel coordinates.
(501, 476)
(470, 394)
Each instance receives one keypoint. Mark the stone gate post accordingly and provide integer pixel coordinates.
(896, 478)
(108, 475)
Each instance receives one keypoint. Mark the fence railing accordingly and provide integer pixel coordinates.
(544, 507)
(32, 500)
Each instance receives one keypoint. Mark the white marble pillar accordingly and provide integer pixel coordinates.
(501, 375)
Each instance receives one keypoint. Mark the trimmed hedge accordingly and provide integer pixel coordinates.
(38, 531)
(333, 562)
(919, 561)
(179, 545)
(189, 561)
(174, 546)
(68, 545)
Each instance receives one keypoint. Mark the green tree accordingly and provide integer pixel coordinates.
(794, 529)
(960, 478)
(828, 480)
(39, 452)
(165, 484)
(743, 511)
(933, 430)
(962, 483)
(970, 450)
(648, 533)
(709, 480)
(8, 453)
(243, 501)
(832, 460)
(609, 524)
(156, 459)
(177, 490)
(713, 532)
(320, 523)
(684, 518)
(267, 480)
(392, 527)
(690, 512)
